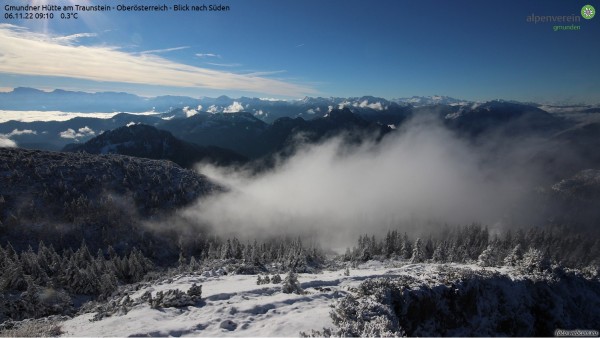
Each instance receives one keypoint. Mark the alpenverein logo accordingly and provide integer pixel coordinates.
(588, 12)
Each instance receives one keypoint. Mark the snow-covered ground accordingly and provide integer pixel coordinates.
(236, 306)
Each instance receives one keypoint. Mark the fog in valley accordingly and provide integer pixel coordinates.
(416, 179)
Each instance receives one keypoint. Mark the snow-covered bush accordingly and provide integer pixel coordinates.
(176, 298)
(467, 303)
(276, 279)
(195, 291)
(291, 284)
(44, 327)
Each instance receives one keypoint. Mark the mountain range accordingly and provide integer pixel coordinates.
(145, 141)
(266, 109)
(127, 167)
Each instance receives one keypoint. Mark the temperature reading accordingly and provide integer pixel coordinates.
(69, 15)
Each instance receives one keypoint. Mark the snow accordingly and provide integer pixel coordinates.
(234, 305)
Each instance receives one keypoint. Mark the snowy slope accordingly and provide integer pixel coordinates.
(236, 306)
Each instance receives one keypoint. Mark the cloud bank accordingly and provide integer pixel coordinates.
(5, 142)
(419, 177)
(27, 53)
(37, 115)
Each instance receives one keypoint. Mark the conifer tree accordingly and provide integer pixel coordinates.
(291, 284)
(418, 254)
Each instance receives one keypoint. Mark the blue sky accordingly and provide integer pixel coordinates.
(471, 49)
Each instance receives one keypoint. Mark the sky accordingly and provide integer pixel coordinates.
(468, 49)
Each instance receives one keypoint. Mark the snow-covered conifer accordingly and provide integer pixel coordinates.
(291, 284)
(514, 257)
(418, 254)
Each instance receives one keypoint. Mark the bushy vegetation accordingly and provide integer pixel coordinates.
(467, 303)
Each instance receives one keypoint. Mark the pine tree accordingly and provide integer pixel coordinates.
(227, 250)
(194, 266)
(418, 254)
(406, 250)
(291, 284)
(514, 257)
(535, 260)
(429, 248)
(390, 243)
(31, 300)
(181, 262)
(489, 256)
(440, 254)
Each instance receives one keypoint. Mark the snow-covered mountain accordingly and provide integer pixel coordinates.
(431, 100)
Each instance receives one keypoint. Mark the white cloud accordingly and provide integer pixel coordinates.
(208, 55)
(190, 112)
(21, 50)
(366, 104)
(266, 73)
(86, 131)
(6, 142)
(36, 115)
(75, 37)
(129, 124)
(344, 105)
(69, 133)
(213, 109)
(166, 50)
(81, 132)
(224, 64)
(235, 107)
(20, 132)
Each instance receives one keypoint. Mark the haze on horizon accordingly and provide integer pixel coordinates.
(266, 48)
